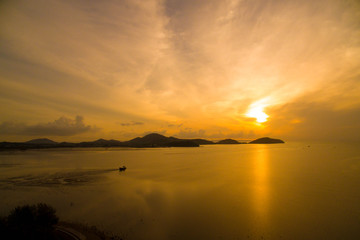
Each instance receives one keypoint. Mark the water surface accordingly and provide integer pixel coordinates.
(281, 191)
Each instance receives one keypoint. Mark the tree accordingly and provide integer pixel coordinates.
(30, 222)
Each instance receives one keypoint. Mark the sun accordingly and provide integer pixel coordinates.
(256, 110)
(258, 114)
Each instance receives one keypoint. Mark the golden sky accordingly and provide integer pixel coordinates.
(80, 70)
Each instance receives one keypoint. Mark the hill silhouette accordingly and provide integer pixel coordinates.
(41, 141)
(148, 141)
(228, 141)
(151, 140)
(267, 140)
(158, 140)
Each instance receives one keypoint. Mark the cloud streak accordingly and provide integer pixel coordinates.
(132, 123)
(201, 63)
(61, 127)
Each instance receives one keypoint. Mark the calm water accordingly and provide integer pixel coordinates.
(286, 191)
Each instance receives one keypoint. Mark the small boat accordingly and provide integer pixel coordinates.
(121, 169)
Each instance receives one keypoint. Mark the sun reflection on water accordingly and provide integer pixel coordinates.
(261, 184)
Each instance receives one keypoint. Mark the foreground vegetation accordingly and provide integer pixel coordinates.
(29, 222)
(40, 222)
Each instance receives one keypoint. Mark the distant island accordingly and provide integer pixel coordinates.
(152, 140)
(229, 141)
(267, 140)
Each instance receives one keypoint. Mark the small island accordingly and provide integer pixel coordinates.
(266, 140)
(228, 141)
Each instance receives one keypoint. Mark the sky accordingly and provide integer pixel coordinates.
(74, 70)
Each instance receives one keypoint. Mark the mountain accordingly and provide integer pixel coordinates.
(151, 140)
(267, 140)
(148, 141)
(228, 141)
(41, 141)
(158, 140)
(100, 143)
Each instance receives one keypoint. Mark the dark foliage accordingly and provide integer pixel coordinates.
(29, 222)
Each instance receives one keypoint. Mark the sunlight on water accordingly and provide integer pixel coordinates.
(261, 193)
(285, 191)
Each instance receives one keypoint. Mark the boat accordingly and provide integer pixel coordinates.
(121, 169)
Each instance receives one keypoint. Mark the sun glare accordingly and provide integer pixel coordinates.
(257, 111)
(258, 114)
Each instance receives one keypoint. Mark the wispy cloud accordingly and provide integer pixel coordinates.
(132, 123)
(61, 127)
(202, 63)
(318, 116)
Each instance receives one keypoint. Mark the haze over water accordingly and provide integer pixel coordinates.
(281, 191)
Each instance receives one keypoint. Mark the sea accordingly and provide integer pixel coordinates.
(294, 190)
